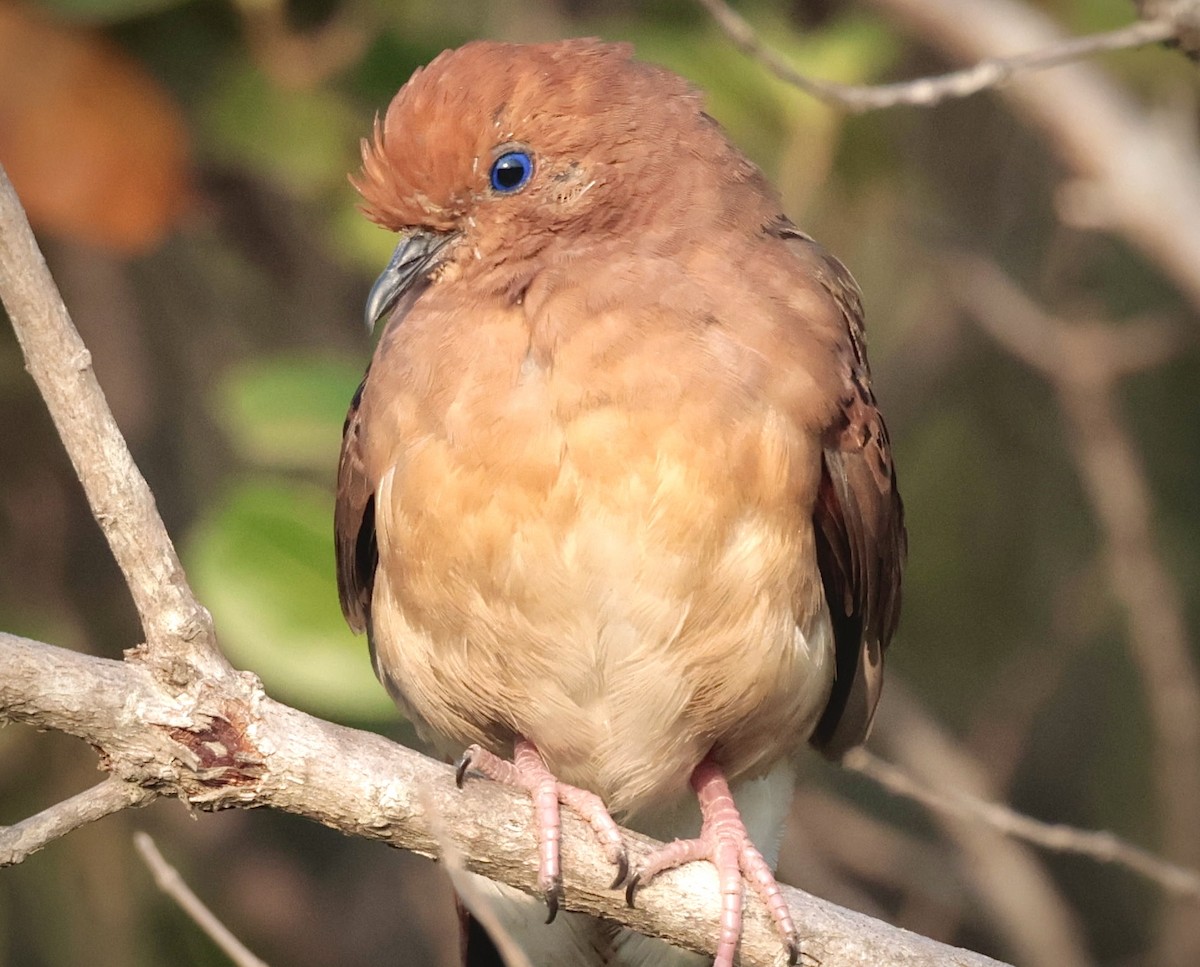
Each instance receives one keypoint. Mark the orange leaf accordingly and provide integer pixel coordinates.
(96, 148)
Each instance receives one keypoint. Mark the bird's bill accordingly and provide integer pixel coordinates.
(414, 259)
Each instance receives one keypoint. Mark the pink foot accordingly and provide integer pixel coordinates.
(724, 842)
(527, 771)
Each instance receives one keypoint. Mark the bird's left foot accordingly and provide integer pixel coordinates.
(527, 771)
(724, 842)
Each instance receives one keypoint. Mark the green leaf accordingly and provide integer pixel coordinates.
(263, 563)
(287, 412)
(304, 140)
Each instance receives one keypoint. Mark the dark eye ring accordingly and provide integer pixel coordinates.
(511, 171)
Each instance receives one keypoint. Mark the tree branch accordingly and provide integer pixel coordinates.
(1015, 891)
(1135, 174)
(24, 838)
(929, 91)
(1099, 845)
(1083, 363)
(1185, 14)
(167, 878)
(179, 631)
(227, 744)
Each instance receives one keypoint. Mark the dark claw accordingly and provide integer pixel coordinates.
(631, 888)
(553, 895)
(622, 870)
(793, 952)
(461, 767)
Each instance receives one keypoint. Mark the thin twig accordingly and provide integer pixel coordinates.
(1185, 14)
(1012, 890)
(172, 884)
(1099, 845)
(928, 91)
(178, 629)
(1083, 362)
(22, 839)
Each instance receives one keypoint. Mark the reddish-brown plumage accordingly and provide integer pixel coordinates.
(618, 444)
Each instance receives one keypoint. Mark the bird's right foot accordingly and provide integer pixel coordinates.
(527, 771)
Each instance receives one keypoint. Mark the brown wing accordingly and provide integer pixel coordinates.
(858, 522)
(354, 522)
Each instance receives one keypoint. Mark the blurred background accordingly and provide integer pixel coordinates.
(184, 163)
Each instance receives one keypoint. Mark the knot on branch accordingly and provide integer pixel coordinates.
(219, 760)
(1183, 15)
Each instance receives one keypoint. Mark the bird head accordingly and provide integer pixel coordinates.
(495, 155)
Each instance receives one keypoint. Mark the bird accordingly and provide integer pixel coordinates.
(616, 505)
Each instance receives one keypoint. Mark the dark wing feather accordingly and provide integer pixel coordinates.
(858, 522)
(354, 522)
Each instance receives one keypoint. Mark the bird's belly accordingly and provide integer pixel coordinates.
(626, 608)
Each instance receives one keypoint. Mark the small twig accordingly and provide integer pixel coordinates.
(928, 91)
(178, 629)
(171, 883)
(21, 840)
(1083, 362)
(1009, 885)
(1099, 845)
(1185, 14)
(1069, 356)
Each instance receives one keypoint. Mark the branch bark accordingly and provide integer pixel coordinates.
(228, 744)
(179, 630)
(1139, 176)
(28, 836)
(929, 91)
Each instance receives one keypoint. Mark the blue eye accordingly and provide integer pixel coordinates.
(511, 171)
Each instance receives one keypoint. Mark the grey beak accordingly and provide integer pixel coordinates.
(414, 259)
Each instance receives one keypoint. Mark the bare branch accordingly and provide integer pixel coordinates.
(1079, 355)
(1185, 14)
(1083, 362)
(1135, 174)
(229, 744)
(929, 91)
(172, 884)
(28, 836)
(178, 629)
(1102, 846)
(1015, 892)
(469, 893)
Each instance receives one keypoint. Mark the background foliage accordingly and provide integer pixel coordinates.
(185, 162)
